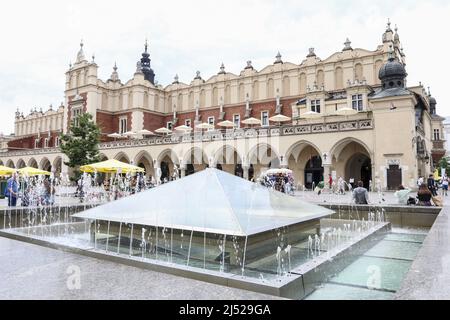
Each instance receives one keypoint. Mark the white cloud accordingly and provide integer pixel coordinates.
(39, 38)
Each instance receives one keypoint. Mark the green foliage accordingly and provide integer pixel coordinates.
(443, 164)
(80, 145)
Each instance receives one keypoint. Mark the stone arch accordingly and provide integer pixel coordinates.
(10, 164)
(32, 163)
(340, 145)
(166, 162)
(144, 160)
(45, 164)
(57, 165)
(305, 160)
(352, 159)
(228, 159)
(262, 157)
(123, 157)
(195, 160)
(102, 157)
(20, 164)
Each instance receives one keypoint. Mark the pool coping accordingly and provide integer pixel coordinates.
(429, 275)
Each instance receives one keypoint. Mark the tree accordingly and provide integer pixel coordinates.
(443, 164)
(80, 145)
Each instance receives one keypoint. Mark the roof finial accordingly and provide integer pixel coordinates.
(115, 67)
(176, 79)
(391, 53)
(115, 75)
(146, 44)
(93, 58)
(249, 65)
(80, 55)
(347, 44)
(389, 25)
(222, 69)
(278, 57)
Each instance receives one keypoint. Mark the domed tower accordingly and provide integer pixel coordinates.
(393, 73)
(432, 104)
(148, 72)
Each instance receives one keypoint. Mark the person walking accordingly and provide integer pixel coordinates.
(432, 185)
(360, 194)
(12, 190)
(444, 186)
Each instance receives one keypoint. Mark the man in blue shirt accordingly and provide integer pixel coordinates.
(12, 190)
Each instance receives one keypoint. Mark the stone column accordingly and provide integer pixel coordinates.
(326, 174)
(283, 162)
(246, 175)
(183, 171)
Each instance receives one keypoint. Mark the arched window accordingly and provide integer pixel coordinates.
(255, 90)
(358, 72)
(270, 89)
(378, 65)
(191, 100)
(130, 99)
(286, 86)
(339, 78)
(156, 102)
(215, 97)
(146, 99)
(302, 83)
(227, 94)
(202, 98)
(320, 78)
(241, 94)
(180, 102)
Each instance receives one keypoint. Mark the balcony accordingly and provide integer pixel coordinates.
(438, 145)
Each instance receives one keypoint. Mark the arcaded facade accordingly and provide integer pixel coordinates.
(393, 137)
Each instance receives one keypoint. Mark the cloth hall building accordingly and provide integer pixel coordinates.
(394, 137)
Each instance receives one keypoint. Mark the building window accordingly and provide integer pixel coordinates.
(46, 143)
(76, 112)
(315, 106)
(237, 120)
(187, 123)
(36, 143)
(123, 125)
(211, 120)
(357, 102)
(437, 135)
(56, 142)
(265, 118)
(169, 125)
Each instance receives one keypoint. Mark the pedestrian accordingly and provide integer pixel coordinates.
(432, 185)
(330, 181)
(444, 186)
(402, 195)
(12, 190)
(424, 196)
(420, 181)
(360, 194)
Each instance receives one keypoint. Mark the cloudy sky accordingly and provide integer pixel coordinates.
(40, 38)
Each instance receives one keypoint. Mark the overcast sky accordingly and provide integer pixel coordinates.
(40, 38)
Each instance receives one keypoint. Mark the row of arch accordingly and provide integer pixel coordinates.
(350, 158)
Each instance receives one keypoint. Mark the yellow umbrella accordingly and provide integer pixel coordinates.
(29, 171)
(6, 171)
(111, 166)
(436, 175)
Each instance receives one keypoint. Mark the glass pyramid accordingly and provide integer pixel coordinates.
(210, 201)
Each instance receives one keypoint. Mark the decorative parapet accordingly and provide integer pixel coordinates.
(219, 136)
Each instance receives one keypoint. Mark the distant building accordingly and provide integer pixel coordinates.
(394, 135)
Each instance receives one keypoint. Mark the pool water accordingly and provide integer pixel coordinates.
(378, 273)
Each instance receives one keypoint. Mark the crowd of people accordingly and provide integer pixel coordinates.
(32, 191)
(279, 181)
